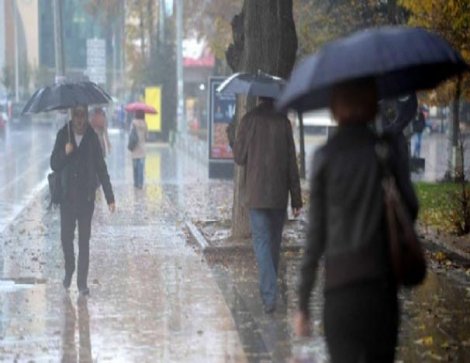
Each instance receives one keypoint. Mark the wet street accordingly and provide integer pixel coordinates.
(155, 296)
(152, 297)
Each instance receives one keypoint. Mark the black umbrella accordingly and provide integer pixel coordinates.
(66, 95)
(259, 85)
(401, 59)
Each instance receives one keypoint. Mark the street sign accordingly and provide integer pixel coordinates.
(96, 60)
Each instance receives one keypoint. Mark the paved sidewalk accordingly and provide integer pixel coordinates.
(153, 299)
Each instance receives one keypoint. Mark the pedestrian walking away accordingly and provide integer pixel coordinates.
(419, 124)
(138, 152)
(347, 224)
(265, 145)
(78, 158)
(99, 122)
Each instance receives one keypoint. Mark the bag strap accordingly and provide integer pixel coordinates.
(398, 219)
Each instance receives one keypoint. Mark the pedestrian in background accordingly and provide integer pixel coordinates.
(347, 224)
(419, 124)
(139, 152)
(78, 158)
(99, 123)
(265, 146)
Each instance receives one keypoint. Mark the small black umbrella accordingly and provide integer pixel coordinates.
(259, 85)
(401, 59)
(66, 95)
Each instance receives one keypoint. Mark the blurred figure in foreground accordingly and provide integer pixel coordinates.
(347, 224)
(78, 159)
(99, 123)
(139, 152)
(265, 146)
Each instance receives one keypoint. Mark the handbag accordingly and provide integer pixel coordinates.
(406, 253)
(133, 139)
(55, 189)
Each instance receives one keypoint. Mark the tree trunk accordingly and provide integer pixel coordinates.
(302, 145)
(151, 28)
(456, 167)
(264, 39)
(142, 31)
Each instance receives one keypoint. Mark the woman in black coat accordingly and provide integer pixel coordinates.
(347, 226)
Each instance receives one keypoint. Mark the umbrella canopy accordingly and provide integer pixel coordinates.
(66, 95)
(260, 85)
(401, 59)
(140, 106)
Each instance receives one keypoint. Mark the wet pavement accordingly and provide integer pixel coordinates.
(152, 297)
(156, 297)
(24, 162)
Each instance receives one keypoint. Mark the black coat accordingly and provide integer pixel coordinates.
(82, 169)
(347, 217)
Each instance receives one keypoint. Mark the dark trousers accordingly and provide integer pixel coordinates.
(70, 215)
(361, 323)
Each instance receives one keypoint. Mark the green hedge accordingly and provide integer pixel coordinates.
(439, 207)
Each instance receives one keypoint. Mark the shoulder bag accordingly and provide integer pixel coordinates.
(406, 253)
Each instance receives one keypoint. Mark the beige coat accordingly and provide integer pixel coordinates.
(142, 131)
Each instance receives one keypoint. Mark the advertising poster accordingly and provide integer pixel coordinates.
(153, 97)
(221, 113)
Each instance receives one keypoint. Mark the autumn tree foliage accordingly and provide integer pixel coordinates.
(450, 19)
(320, 21)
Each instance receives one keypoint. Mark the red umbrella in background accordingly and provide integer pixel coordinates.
(140, 106)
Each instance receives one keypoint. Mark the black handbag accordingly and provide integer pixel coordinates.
(133, 139)
(55, 189)
(406, 253)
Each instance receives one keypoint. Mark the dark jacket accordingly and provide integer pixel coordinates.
(265, 145)
(81, 170)
(346, 220)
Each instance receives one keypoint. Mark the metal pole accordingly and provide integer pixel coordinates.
(123, 44)
(17, 70)
(179, 66)
(58, 41)
(114, 88)
(302, 145)
(161, 23)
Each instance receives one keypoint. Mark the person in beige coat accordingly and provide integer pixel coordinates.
(138, 153)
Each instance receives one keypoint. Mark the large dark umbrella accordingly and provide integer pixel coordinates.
(259, 85)
(401, 59)
(66, 95)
